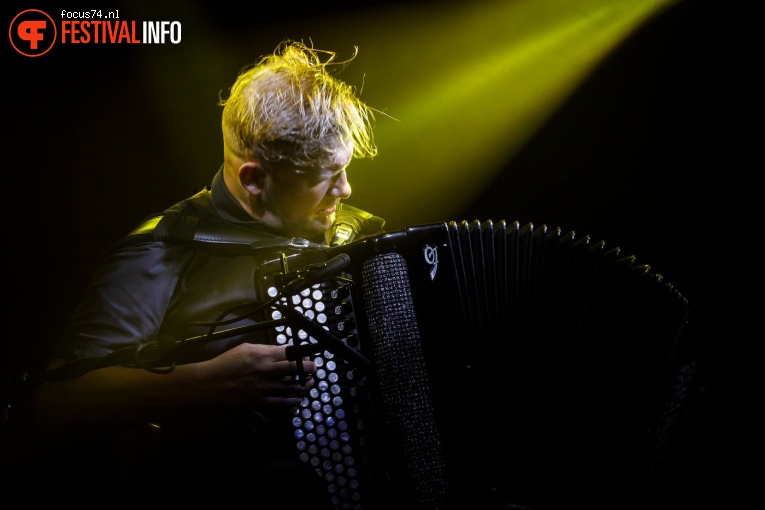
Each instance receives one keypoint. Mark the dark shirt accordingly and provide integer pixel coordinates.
(148, 289)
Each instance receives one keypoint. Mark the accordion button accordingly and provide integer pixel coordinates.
(346, 325)
(340, 292)
(344, 308)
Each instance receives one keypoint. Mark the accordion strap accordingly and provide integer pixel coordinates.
(181, 227)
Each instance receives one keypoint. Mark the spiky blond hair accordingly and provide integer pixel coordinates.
(289, 107)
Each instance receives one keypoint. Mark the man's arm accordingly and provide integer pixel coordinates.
(247, 377)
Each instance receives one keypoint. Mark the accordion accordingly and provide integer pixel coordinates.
(505, 365)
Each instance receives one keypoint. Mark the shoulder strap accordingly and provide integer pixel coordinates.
(180, 227)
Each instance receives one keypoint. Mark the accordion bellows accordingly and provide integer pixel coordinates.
(511, 367)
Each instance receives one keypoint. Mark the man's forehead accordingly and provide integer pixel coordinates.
(335, 160)
(340, 157)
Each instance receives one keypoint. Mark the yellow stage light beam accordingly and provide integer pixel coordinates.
(469, 85)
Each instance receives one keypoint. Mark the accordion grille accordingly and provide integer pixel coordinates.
(410, 424)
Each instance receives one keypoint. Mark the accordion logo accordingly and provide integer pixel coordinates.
(431, 258)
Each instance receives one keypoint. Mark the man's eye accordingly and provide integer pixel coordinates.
(317, 176)
(330, 174)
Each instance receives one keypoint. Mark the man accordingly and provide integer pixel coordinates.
(210, 423)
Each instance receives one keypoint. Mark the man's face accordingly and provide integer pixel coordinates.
(301, 202)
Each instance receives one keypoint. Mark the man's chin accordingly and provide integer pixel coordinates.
(317, 225)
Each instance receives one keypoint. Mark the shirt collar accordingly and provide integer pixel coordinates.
(226, 206)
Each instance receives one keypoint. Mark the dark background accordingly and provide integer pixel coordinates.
(656, 150)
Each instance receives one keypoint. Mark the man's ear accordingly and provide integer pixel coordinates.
(252, 177)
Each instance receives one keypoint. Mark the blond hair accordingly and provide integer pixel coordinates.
(289, 107)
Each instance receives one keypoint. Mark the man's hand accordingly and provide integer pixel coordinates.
(253, 376)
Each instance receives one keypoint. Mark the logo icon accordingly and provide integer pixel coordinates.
(430, 253)
(32, 33)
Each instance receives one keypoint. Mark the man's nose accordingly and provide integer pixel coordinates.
(341, 187)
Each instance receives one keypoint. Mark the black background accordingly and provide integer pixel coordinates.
(657, 149)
